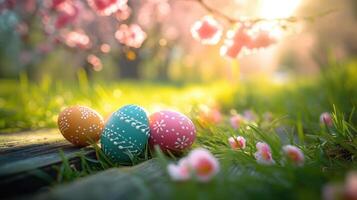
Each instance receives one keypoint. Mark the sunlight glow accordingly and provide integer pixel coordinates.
(278, 8)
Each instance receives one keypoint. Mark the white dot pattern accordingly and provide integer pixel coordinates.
(126, 133)
(171, 131)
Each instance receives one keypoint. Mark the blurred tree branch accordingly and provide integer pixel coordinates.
(253, 20)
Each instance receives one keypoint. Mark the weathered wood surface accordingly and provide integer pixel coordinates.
(26, 156)
(138, 182)
(25, 151)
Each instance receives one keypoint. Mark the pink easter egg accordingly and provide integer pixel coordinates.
(171, 131)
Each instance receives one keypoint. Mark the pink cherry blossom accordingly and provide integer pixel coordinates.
(67, 13)
(95, 62)
(107, 7)
(237, 143)
(123, 13)
(294, 154)
(207, 30)
(76, 39)
(236, 121)
(244, 39)
(235, 41)
(181, 171)
(263, 154)
(326, 118)
(132, 36)
(203, 164)
(105, 48)
(261, 39)
(56, 3)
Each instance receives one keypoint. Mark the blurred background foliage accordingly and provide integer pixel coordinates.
(310, 69)
(176, 56)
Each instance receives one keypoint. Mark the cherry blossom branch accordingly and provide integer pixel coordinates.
(232, 20)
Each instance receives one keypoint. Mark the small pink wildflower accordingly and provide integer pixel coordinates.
(263, 154)
(237, 143)
(210, 114)
(207, 30)
(181, 171)
(326, 118)
(250, 116)
(351, 185)
(294, 154)
(200, 163)
(204, 164)
(345, 191)
(236, 121)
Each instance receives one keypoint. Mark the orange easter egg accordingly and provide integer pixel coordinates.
(80, 125)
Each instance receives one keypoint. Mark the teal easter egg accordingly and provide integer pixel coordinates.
(125, 134)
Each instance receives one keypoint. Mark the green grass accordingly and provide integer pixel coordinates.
(296, 105)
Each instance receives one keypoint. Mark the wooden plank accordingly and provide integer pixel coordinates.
(25, 155)
(138, 182)
(12, 141)
(26, 151)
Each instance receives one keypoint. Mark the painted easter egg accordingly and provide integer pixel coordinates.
(80, 125)
(125, 134)
(171, 131)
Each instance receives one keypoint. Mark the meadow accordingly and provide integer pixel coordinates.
(294, 108)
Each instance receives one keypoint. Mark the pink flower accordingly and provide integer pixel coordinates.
(77, 39)
(105, 48)
(236, 121)
(351, 186)
(263, 154)
(237, 143)
(95, 62)
(203, 164)
(200, 163)
(56, 3)
(326, 118)
(123, 13)
(181, 171)
(132, 36)
(346, 190)
(207, 30)
(107, 7)
(294, 154)
(244, 39)
(67, 13)
(250, 116)
(210, 114)
(262, 39)
(235, 41)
